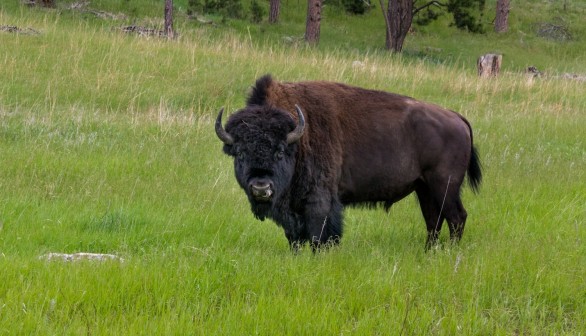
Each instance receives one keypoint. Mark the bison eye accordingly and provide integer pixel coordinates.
(279, 155)
(240, 155)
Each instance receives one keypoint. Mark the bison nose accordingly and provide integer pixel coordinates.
(261, 190)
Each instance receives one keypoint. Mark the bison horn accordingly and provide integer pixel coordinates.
(298, 131)
(221, 132)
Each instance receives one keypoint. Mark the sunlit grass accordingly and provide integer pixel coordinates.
(107, 145)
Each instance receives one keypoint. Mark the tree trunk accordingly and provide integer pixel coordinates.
(274, 9)
(398, 19)
(501, 22)
(312, 25)
(169, 19)
(489, 65)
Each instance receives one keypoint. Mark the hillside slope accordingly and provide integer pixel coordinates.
(550, 35)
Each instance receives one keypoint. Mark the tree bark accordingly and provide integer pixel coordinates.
(398, 18)
(387, 24)
(312, 24)
(489, 65)
(169, 19)
(501, 22)
(274, 8)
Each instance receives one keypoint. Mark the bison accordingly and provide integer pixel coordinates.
(303, 151)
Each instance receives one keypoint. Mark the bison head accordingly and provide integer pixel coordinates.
(263, 142)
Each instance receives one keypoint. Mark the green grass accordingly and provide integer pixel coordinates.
(107, 145)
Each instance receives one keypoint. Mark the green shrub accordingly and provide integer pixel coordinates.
(467, 14)
(356, 7)
(256, 12)
(227, 8)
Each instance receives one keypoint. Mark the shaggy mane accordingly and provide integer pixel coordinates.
(258, 95)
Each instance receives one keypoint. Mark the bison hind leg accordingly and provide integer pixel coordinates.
(457, 219)
(431, 214)
(452, 208)
(440, 199)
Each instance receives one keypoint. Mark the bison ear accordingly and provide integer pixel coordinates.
(296, 134)
(221, 132)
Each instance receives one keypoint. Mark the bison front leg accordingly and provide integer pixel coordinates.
(324, 224)
(296, 240)
(295, 230)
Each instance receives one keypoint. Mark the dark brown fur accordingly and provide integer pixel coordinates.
(366, 147)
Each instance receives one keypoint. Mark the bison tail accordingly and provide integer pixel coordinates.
(474, 170)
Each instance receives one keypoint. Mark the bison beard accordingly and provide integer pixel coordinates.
(346, 146)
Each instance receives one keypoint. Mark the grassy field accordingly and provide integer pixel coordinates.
(107, 146)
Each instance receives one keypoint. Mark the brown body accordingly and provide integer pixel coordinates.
(366, 147)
